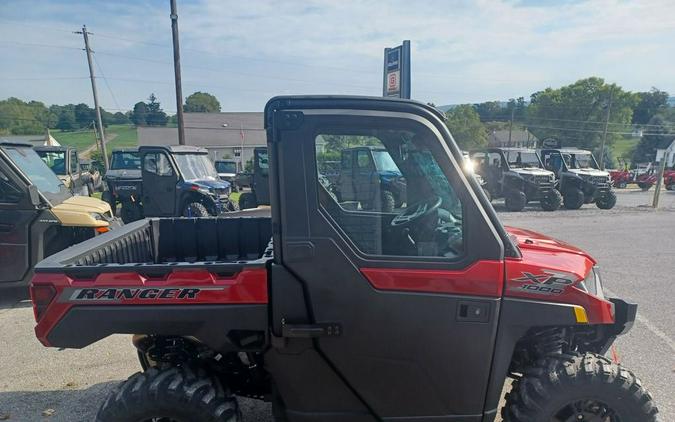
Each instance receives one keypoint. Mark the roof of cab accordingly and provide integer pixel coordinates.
(175, 149)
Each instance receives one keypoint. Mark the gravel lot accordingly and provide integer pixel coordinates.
(635, 246)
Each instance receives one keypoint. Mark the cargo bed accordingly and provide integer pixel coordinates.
(201, 277)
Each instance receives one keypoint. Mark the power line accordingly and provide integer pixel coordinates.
(112, 94)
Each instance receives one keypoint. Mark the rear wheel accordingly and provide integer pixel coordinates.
(670, 186)
(515, 200)
(606, 202)
(551, 201)
(195, 209)
(247, 200)
(644, 186)
(173, 394)
(573, 198)
(621, 185)
(232, 206)
(578, 388)
(388, 201)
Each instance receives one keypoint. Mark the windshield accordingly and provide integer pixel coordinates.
(384, 162)
(56, 160)
(35, 169)
(226, 166)
(125, 161)
(581, 161)
(522, 159)
(196, 166)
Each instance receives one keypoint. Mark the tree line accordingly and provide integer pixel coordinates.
(18, 117)
(575, 114)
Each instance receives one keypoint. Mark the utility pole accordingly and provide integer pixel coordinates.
(85, 35)
(513, 111)
(604, 134)
(659, 180)
(176, 69)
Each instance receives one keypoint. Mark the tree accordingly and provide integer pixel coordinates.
(66, 120)
(18, 117)
(465, 125)
(120, 118)
(489, 111)
(658, 132)
(650, 103)
(155, 116)
(84, 115)
(140, 114)
(575, 114)
(201, 102)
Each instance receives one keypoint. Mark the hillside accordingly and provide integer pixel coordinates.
(119, 136)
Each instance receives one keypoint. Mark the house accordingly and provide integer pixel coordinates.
(519, 138)
(666, 148)
(225, 135)
(45, 139)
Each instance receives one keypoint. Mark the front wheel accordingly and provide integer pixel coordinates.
(573, 198)
(607, 201)
(551, 201)
(195, 209)
(576, 388)
(644, 186)
(621, 185)
(670, 186)
(247, 200)
(173, 394)
(515, 200)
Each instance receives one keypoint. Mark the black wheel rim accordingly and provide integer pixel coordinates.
(586, 411)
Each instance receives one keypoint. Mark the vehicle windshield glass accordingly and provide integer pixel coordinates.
(384, 162)
(581, 161)
(37, 171)
(226, 167)
(196, 166)
(56, 160)
(522, 159)
(125, 161)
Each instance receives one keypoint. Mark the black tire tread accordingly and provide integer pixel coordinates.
(199, 210)
(533, 397)
(179, 390)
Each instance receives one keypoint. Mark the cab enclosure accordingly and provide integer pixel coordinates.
(257, 180)
(65, 163)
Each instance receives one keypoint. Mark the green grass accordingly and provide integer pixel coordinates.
(123, 136)
(623, 147)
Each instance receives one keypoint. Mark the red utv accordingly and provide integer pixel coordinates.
(415, 315)
(643, 176)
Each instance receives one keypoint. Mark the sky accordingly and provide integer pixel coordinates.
(245, 52)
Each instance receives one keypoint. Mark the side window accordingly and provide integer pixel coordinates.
(73, 162)
(346, 160)
(263, 163)
(157, 163)
(378, 210)
(9, 191)
(494, 159)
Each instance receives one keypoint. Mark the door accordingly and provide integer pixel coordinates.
(16, 216)
(261, 179)
(159, 185)
(415, 294)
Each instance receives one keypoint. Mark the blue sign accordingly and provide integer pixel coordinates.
(397, 71)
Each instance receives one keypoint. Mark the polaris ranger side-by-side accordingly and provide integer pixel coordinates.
(227, 171)
(175, 181)
(580, 179)
(123, 180)
(257, 181)
(39, 216)
(518, 176)
(65, 163)
(417, 315)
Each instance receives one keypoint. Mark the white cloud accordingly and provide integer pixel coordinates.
(246, 52)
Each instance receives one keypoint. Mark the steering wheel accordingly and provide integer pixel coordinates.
(416, 212)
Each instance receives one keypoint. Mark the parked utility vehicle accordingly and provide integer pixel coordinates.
(348, 315)
(669, 179)
(368, 175)
(65, 163)
(257, 181)
(227, 171)
(581, 180)
(39, 216)
(518, 176)
(123, 180)
(643, 175)
(177, 181)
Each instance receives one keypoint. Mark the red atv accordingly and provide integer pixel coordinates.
(643, 175)
(669, 179)
(411, 315)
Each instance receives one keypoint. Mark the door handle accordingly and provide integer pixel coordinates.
(473, 311)
(311, 330)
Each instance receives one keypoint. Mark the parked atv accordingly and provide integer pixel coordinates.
(227, 171)
(346, 315)
(39, 216)
(580, 179)
(669, 179)
(257, 181)
(643, 175)
(65, 163)
(176, 181)
(517, 175)
(369, 176)
(124, 181)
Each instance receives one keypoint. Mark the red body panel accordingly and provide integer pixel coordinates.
(550, 270)
(484, 278)
(200, 287)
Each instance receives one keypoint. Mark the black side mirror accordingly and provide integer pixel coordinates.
(34, 195)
